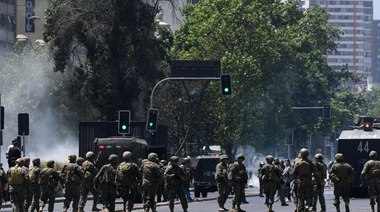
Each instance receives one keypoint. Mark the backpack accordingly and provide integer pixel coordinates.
(33, 175)
(87, 174)
(147, 170)
(46, 178)
(124, 172)
(270, 174)
(108, 175)
(16, 176)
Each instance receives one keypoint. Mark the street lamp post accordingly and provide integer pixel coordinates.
(28, 26)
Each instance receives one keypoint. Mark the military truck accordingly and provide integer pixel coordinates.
(355, 144)
(204, 175)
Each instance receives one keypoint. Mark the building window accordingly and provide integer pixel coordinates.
(367, 4)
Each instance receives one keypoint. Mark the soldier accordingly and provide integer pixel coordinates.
(35, 187)
(106, 180)
(128, 176)
(221, 178)
(90, 172)
(161, 185)
(18, 178)
(151, 176)
(319, 184)
(48, 179)
(174, 179)
(71, 176)
(238, 176)
(280, 185)
(3, 183)
(303, 172)
(186, 166)
(28, 188)
(342, 175)
(261, 189)
(295, 181)
(270, 178)
(371, 177)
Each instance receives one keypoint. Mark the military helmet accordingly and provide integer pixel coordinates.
(19, 161)
(80, 160)
(269, 158)
(72, 157)
(261, 164)
(152, 157)
(373, 154)
(26, 160)
(50, 163)
(127, 155)
(339, 157)
(174, 158)
(240, 156)
(113, 157)
(304, 152)
(164, 162)
(222, 157)
(318, 156)
(90, 155)
(36, 161)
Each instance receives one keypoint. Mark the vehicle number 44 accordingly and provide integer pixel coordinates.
(362, 148)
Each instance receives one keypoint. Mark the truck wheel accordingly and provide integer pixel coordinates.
(197, 193)
(204, 193)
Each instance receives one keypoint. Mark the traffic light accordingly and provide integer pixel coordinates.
(23, 124)
(226, 84)
(152, 119)
(124, 121)
(326, 111)
(2, 118)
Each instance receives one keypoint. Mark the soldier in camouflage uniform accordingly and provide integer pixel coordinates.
(36, 188)
(303, 172)
(90, 172)
(161, 185)
(151, 176)
(295, 181)
(238, 176)
(18, 179)
(106, 181)
(342, 175)
(3, 183)
(270, 178)
(174, 179)
(319, 184)
(221, 178)
(261, 186)
(48, 179)
(71, 178)
(371, 177)
(28, 188)
(128, 176)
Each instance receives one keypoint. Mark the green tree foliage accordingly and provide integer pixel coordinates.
(110, 50)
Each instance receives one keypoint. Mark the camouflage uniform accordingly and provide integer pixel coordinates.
(3, 182)
(28, 186)
(128, 176)
(18, 178)
(371, 176)
(270, 178)
(261, 186)
(303, 173)
(174, 179)
(71, 176)
(186, 166)
(342, 175)
(106, 180)
(238, 176)
(90, 172)
(221, 178)
(319, 184)
(36, 188)
(151, 176)
(295, 181)
(280, 185)
(48, 180)
(161, 185)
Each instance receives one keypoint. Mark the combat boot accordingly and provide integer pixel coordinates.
(233, 207)
(220, 207)
(337, 207)
(239, 208)
(94, 208)
(80, 209)
(347, 208)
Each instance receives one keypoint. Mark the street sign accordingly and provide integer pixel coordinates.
(195, 68)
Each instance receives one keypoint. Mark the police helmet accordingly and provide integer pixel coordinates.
(222, 157)
(174, 158)
(373, 154)
(36, 161)
(152, 157)
(90, 155)
(240, 156)
(127, 155)
(72, 158)
(339, 157)
(304, 152)
(50, 163)
(318, 156)
(113, 157)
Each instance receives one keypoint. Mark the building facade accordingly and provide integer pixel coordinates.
(354, 18)
(376, 50)
(7, 26)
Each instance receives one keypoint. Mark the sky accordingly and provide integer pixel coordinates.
(376, 9)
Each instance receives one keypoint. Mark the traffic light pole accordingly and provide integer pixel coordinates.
(178, 78)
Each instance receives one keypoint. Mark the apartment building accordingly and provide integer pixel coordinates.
(7, 27)
(376, 51)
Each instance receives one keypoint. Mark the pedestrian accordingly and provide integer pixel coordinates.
(304, 171)
(319, 183)
(72, 176)
(106, 181)
(270, 178)
(342, 175)
(34, 174)
(128, 176)
(151, 176)
(186, 166)
(371, 177)
(3, 183)
(18, 178)
(238, 176)
(174, 179)
(221, 178)
(48, 179)
(90, 172)
(13, 153)
(280, 184)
